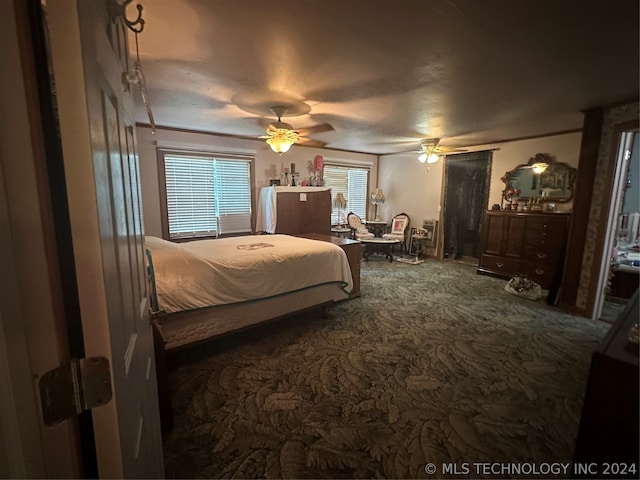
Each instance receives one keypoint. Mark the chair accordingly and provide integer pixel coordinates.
(399, 229)
(358, 230)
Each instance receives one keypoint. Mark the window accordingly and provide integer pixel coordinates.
(206, 195)
(352, 183)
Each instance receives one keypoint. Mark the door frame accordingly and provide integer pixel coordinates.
(33, 336)
(623, 135)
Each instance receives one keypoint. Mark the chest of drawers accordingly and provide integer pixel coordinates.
(529, 244)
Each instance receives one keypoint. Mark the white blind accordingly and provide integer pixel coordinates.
(352, 183)
(207, 196)
(234, 196)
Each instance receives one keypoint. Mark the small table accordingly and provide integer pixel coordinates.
(378, 245)
(418, 241)
(341, 231)
(377, 227)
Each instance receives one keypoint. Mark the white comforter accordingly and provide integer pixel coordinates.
(228, 270)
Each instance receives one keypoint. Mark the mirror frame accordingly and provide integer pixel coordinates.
(550, 161)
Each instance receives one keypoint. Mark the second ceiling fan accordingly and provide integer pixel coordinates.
(281, 135)
(430, 150)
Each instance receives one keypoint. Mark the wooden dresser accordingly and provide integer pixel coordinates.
(529, 244)
(352, 248)
(298, 210)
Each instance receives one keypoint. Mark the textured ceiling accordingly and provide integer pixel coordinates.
(385, 74)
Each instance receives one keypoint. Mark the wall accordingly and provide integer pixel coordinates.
(409, 186)
(267, 163)
(412, 187)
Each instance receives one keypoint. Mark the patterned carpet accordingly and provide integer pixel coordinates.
(433, 363)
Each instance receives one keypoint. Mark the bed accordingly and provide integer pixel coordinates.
(207, 288)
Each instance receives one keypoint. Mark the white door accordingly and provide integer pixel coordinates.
(89, 55)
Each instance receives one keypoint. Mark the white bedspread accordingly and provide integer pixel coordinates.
(228, 270)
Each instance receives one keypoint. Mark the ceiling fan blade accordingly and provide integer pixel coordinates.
(322, 127)
(448, 150)
(310, 143)
(264, 122)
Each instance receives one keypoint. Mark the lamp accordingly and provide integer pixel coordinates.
(340, 203)
(377, 198)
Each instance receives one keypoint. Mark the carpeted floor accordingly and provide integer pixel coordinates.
(433, 363)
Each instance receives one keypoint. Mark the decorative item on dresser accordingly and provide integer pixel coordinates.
(528, 244)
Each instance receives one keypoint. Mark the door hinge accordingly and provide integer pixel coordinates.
(68, 390)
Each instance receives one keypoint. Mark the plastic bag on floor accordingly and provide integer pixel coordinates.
(523, 286)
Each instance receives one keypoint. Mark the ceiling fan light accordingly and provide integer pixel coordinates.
(279, 145)
(540, 167)
(432, 158)
(422, 157)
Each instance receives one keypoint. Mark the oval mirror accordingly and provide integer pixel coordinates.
(542, 177)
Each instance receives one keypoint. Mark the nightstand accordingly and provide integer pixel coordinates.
(353, 249)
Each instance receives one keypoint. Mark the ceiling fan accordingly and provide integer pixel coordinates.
(281, 135)
(430, 150)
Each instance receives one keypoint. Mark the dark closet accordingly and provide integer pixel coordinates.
(466, 194)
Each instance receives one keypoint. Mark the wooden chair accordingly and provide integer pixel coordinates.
(399, 230)
(358, 230)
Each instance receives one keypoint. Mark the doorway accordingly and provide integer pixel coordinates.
(620, 262)
(466, 196)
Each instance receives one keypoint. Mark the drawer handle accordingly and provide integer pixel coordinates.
(499, 264)
(539, 271)
(541, 255)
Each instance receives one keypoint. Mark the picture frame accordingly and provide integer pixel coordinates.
(398, 225)
(413, 246)
(430, 228)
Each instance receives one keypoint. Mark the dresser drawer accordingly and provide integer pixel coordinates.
(546, 223)
(544, 238)
(541, 254)
(539, 272)
(509, 266)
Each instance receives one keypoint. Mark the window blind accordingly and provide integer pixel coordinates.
(352, 183)
(207, 196)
